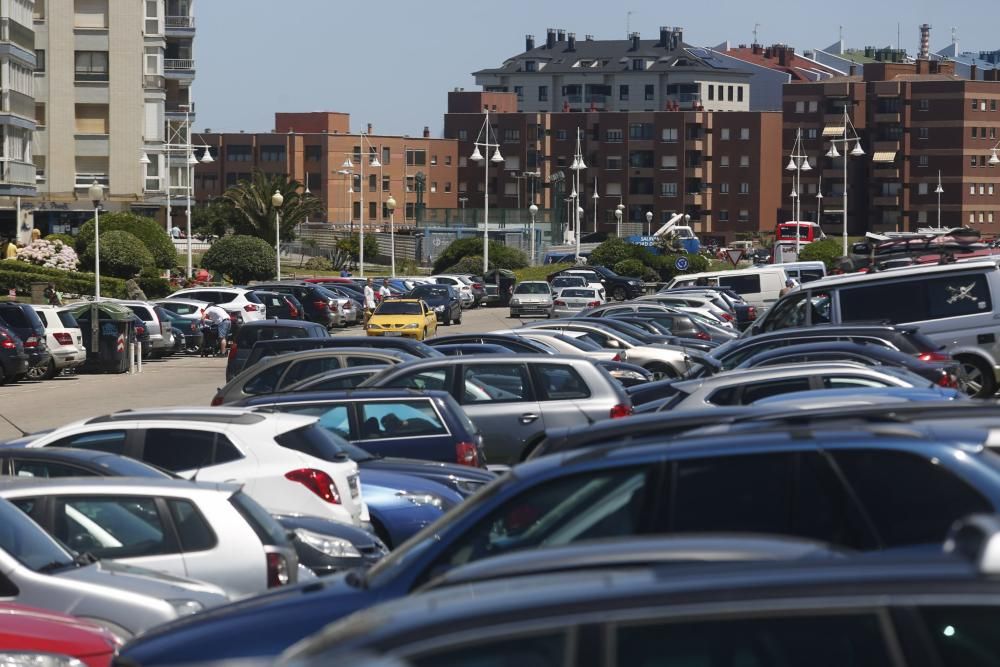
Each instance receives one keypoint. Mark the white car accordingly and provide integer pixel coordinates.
(569, 301)
(209, 532)
(229, 298)
(565, 342)
(464, 289)
(65, 341)
(264, 452)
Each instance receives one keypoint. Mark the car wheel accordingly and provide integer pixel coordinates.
(42, 371)
(619, 294)
(979, 379)
(3, 376)
(458, 320)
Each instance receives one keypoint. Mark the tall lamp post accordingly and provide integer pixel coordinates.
(797, 162)
(856, 152)
(276, 201)
(374, 163)
(649, 223)
(485, 132)
(533, 211)
(390, 204)
(576, 167)
(96, 194)
(595, 197)
(618, 220)
(938, 191)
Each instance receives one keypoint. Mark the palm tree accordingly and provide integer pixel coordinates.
(252, 201)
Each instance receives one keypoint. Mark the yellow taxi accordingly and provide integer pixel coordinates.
(411, 318)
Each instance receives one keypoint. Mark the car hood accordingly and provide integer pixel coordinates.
(25, 628)
(531, 297)
(464, 479)
(396, 319)
(266, 624)
(146, 582)
(385, 489)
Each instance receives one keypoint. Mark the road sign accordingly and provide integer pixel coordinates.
(681, 264)
(734, 255)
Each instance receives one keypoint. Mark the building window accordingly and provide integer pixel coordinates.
(416, 158)
(739, 93)
(642, 159)
(989, 189)
(724, 188)
(614, 136)
(668, 162)
(993, 133)
(982, 160)
(922, 161)
(447, 160)
(813, 106)
(711, 93)
(39, 61)
(723, 216)
(974, 134)
(640, 131)
(729, 94)
(724, 134)
(92, 119)
(314, 153)
(982, 189)
(463, 135)
(721, 97)
(463, 161)
(434, 187)
(800, 107)
(668, 189)
(614, 163)
(812, 133)
(40, 114)
(921, 188)
(386, 184)
(463, 187)
(90, 14)
(356, 183)
(447, 186)
(543, 93)
(993, 107)
(723, 160)
(972, 218)
(745, 133)
(669, 134)
(744, 160)
(923, 132)
(272, 153)
(623, 93)
(982, 133)
(982, 217)
(982, 105)
(972, 189)
(530, 66)
(561, 135)
(649, 92)
(314, 181)
(989, 218)
(925, 104)
(744, 188)
(974, 104)
(519, 91)
(512, 136)
(387, 155)
(91, 66)
(744, 215)
(921, 217)
(372, 183)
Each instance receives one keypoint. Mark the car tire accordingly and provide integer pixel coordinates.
(458, 320)
(619, 294)
(3, 376)
(446, 321)
(46, 372)
(979, 379)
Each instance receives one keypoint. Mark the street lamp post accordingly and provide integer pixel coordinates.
(390, 204)
(576, 167)
(618, 220)
(533, 210)
(855, 152)
(374, 163)
(938, 191)
(96, 194)
(484, 133)
(595, 197)
(276, 201)
(797, 162)
(649, 223)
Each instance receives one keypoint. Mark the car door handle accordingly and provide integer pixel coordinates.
(528, 417)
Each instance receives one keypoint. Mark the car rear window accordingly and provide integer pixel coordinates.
(186, 309)
(746, 284)
(142, 312)
(15, 317)
(400, 419)
(918, 299)
(579, 293)
(267, 528)
(313, 440)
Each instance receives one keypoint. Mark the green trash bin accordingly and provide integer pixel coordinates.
(115, 331)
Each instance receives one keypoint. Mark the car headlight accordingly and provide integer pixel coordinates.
(412, 325)
(335, 547)
(33, 659)
(421, 499)
(438, 309)
(186, 607)
(634, 282)
(467, 486)
(373, 325)
(515, 302)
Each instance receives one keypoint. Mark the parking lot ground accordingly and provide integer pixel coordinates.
(176, 381)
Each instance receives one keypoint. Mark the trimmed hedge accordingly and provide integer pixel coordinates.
(65, 281)
(65, 238)
(501, 256)
(123, 255)
(147, 230)
(242, 258)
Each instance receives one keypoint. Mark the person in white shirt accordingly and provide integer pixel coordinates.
(369, 295)
(384, 290)
(220, 318)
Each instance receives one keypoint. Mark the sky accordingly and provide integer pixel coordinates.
(392, 63)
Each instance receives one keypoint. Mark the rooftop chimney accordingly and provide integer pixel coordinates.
(560, 35)
(925, 41)
(678, 38)
(369, 128)
(529, 42)
(550, 38)
(635, 41)
(664, 37)
(571, 42)
(588, 38)
(973, 72)
(427, 132)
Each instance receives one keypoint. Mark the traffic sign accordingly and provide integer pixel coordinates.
(681, 264)
(734, 255)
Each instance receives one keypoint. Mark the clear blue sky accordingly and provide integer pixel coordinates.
(392, 63)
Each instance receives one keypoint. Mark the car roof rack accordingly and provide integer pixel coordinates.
(239, 417)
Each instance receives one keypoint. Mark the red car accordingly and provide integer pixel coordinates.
(28, 630)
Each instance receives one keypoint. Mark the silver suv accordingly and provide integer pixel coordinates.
(531, 297)
(512, 399)
(161, 334)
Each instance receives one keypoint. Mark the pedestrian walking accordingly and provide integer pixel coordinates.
(52, 295)
(133, 291)
(384, 292)
(369, 301)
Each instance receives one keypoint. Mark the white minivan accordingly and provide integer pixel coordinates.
(803, 272)
(760, 287)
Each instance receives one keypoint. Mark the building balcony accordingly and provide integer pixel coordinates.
(179, 26)
(891, 173)
(893, 117)
(886, 200)
(177, 111)
(93, 145)
(85, 179)
(178, 68)
(894, 145)
(15, 175)
(694, 171)
(18, 104)
(17, 34)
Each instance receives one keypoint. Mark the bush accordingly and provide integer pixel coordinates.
(665, 264)
(149, 232)
(242, 258)
(123, 255)
(633, 268)
(615, 250)
(51, 254)
(351, 244)
(152, 283)
(319, 264)
(473, 264)
(71, 282)
(828, 251)
(65, 238)
(501, 256)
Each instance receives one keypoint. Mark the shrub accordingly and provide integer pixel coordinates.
(242, 258)
(65, 238)
(665, 265)
(319, 264)
(828, 251)
(632, 268)
(613, 251)
(351, 244)
(148, 231)
(472, 264)
(152, 282)
(501, 256)
(50, 254)
(123, 255)
(69, 282)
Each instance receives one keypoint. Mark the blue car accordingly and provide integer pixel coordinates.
(402, 505)
(826, 482)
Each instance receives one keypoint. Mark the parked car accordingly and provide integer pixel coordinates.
(628, 375)
(269, 348)
(442, 299)
(568, 342)
(160, 334)
(513, 399)
(274, 374)
(38, 571)
(21, 319)
(745, 313)
(759, 286)
(321, 306)
(267, 453)
(951, 303)
(326, 547)
(476, 283)
(281, 306)
(462, 288)
(466, 349)
(516, 344)
(14, 361)
(64, 340)
(765, 481)
(559, 282)
(229, 298)
(696, 304)
(32, 636)
(409, 318)
(681, 324)
(209, 532)
(265, 330)
(531, 297)
(340, 379)
(615, 286)
(189, 327)
(571, 301)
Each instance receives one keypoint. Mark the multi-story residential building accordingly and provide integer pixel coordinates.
(17, 112)
(719, 168)
(313, 147)
(566, 74)
(111, 86)
(916, 121)
(770, 68)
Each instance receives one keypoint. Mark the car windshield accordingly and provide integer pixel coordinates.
(398, 308)
(68, 320)
(578, 342)
(532, 288)
(433, 292)
(25, 540)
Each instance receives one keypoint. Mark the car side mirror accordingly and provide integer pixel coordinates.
(613, 343)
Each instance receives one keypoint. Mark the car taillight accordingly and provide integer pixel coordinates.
(947, 380)
(217, 400)
(558, 302)
(63, 338)
(232, 351)
(467, 454)
(316, 481)
(934, 356)
(8, 343)
(701, 335)
(620, 411)
(727, 317)
(477, 286)
(277, 570)
(751, 313)
(292, 310)
(194, 327)
(31, 341)
(251, 308)
(617, 357)
(593, 304)
(138, 332)
(320, 304)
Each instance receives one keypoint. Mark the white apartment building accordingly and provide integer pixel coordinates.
(17, 112)
(112, 86)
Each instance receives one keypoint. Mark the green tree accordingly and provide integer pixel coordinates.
(350, 245)
(827, 251)
(616, 250)
(123, 255)
(146, 230)
(255, 213)
(217, 218)
(501, 256)
(242, 258)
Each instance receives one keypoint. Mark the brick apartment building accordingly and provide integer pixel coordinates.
(719, 167)
(915, 120)
(312, 148)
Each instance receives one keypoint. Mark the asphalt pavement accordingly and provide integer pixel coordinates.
(176, 381)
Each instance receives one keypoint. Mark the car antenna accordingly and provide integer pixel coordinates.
(16, 427)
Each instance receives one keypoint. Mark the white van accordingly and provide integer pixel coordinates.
(760, 287)
(803, 272)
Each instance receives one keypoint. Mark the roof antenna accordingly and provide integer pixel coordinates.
(628, 24)
(16, 427)
(755, 28)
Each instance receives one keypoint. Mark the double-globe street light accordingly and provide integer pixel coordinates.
(854, 152)
(619, 212)
(797, 162)
(533, 210)
(348, 165)
(485, 132)
(390, 205)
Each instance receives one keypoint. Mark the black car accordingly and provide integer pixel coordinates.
(267, 330)
(191, 329)
(513, 343)
(22, 319)
(466, 349)
(282, 306)
(318, 303)
(267, 348)
(13, 358)
(619, 288)
(442, 299)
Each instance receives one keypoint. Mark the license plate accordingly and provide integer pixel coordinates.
(393, 333)
(352, 482)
